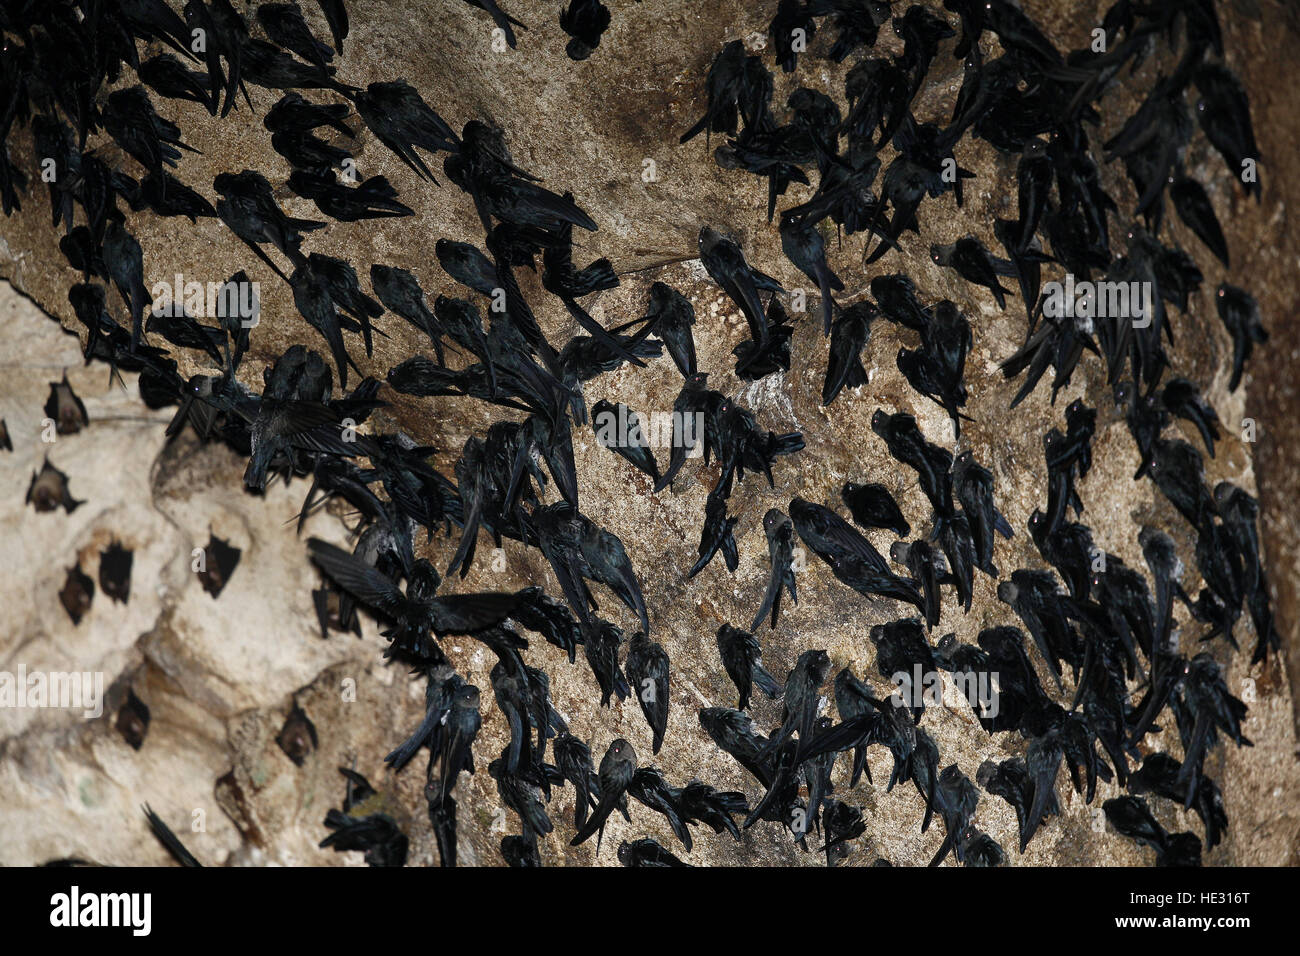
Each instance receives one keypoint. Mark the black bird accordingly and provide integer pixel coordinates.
(520, 851)
(872, 506)
(897, 297)
(1240, 514)
(932, 464)
(726, 265)
(169, 77)
(619, 429)
(780, 549)
(1166, 568)
(512, 692)
(225, 33)
(733, 731)
(980, 849)
(1178, 471)
(699, 803)
(841, 823)
(1182, 398)
(1034, 182)
(902, 648)
(124, 264)
(971, 13)
(573, 759)
(1069, 549)
(522, 795)
(742, 659)
(503, 20)
(1131, 817)
(921, 32)
(973, 484)
(928, 376)
(650, 788)
(791, 16)
(441, 685)
(1027, 262)
(716, 534)
(1161, 775)
(419, 610)
(1010, 780)
(725, 83)
(375, 198)
(1197, 213)
(168, 196)
(958, 546)
(577, 548)
(442, 818)
(249, 208)
(672, 316)
(169, 839)
(455, 741)
(878, 94)
(601, 642)
(957, 799)
(849, 333)
(647, 673)
(467, 265)
(178, 328)
(851, 557)
(155, 20)
(974, 264)
(925, 566)
(1016, 31)
(377, 835)
(336, 15)
(316, 304)
(803, 245)
(1240, 314)
(129, 118)
(1224, 114)
(617, 768)
(865, 720)
(1034, 597)
(802, 696)
(295, 115)
(584, 21)
(400, 293)
(266, 65)
(646, 852)
(285, 26)
(402, 121)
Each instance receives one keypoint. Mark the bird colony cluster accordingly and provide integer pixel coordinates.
(1087, 660)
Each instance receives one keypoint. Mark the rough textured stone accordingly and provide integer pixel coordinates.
(220, 677)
